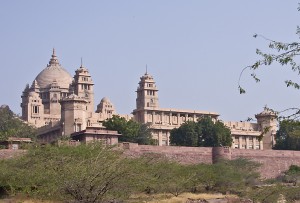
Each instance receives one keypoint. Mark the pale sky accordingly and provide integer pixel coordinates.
(195, 50)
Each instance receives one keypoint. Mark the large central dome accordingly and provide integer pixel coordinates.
(54, 73)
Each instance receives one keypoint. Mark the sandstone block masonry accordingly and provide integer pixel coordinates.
(274, 162)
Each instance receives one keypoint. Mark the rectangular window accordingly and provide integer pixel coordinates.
(35, 109)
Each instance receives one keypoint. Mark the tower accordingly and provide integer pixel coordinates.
(73, 114)
(40, 102)
(106, 108)
(84, 87)
(32, 107)
(268, 125)
(147, 93)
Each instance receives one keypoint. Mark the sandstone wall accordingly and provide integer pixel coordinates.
(274, 162)
(185, 155)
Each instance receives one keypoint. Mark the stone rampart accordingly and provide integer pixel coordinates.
(185, 155)
(274, 162)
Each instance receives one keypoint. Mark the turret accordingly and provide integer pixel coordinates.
(147, 93)
(84, 87)
(73, 114)
(267, 125)
(106, 108)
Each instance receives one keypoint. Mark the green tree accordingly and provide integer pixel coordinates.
(288, 135)
(214, 134)
(186, 135)
(204, 133)
(86, 173)
(13, 126)
(131, 130)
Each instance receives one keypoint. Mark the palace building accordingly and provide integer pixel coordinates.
(60, 105)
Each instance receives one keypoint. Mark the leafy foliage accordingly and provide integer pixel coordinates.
(12, 126)
(131, 131)
(282, 53)
(91, 173)
(286, 54)
(226, 176)
(288, 135)
(87, 173)
(204, 133)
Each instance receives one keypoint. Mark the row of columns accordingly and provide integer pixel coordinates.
(247, 143)
(168, 118)
(162, 141)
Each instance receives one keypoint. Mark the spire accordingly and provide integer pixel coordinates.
(35, 87)
(53, 60)
(81, 63)
(146, 70)
(53, 52)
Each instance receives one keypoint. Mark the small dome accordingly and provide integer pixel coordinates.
(54, 72)
(267, 112)
(105, 99)
(146, 76)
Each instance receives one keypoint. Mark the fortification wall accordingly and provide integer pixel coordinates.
(274, 162)
(184, 155)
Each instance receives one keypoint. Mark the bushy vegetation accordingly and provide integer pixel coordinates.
(288, 135)
(12, 126)
(204, 133)
(87, 173)
(131, 130)
(284, 188)
(91, 173)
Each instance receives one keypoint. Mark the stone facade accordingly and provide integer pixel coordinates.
(245, 135)
(107, 137)
(60, 105)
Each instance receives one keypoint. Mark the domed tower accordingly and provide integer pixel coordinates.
(84, 87)
(50, 85)
(106, 108)
(268, 126)
(147, 93)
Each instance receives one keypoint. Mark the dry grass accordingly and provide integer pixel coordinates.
(139, 198)
(22, 200)
(168, 198)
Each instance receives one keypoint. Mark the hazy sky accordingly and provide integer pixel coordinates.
(195, 50)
